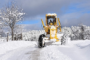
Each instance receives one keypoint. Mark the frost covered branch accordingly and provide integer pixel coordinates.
(10, 16)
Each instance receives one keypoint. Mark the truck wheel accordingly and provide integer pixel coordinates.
(41, 42)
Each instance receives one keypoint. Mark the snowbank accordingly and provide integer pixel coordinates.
(52, 53)
(74, 50)
(7, 46)
(77, 50)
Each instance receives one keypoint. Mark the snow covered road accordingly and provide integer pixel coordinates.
(22, 50)
(74, 50)
(19, 50)
(18, 54)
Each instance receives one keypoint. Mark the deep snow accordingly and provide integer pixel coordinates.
(73, 50)
(27, 50)
(17, 50)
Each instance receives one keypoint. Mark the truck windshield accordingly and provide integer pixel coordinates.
(51, 20)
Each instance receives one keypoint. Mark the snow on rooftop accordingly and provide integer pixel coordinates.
(51, 14)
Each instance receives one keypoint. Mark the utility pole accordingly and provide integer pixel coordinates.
(7, 37)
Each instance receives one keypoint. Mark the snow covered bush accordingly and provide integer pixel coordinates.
(67, 31)
(32, 35)
(86, 32)
(81, 32)
(66, 34)
(76, 32)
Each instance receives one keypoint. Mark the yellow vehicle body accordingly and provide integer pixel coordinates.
(51, 26)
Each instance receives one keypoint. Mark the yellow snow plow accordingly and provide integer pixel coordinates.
(50, 28)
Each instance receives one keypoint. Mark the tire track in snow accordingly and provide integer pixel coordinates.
(36, 54)
(18, 54)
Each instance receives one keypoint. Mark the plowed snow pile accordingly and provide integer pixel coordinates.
(52, 53)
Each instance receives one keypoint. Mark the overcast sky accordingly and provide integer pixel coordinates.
(70, 12)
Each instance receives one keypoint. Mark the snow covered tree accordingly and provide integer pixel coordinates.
(67, 31)
(0, 29)
(1, 26)
(82, 27)
(80, 32)
(18, 29)
(76, 33)
(85, 32)
(10, 16)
